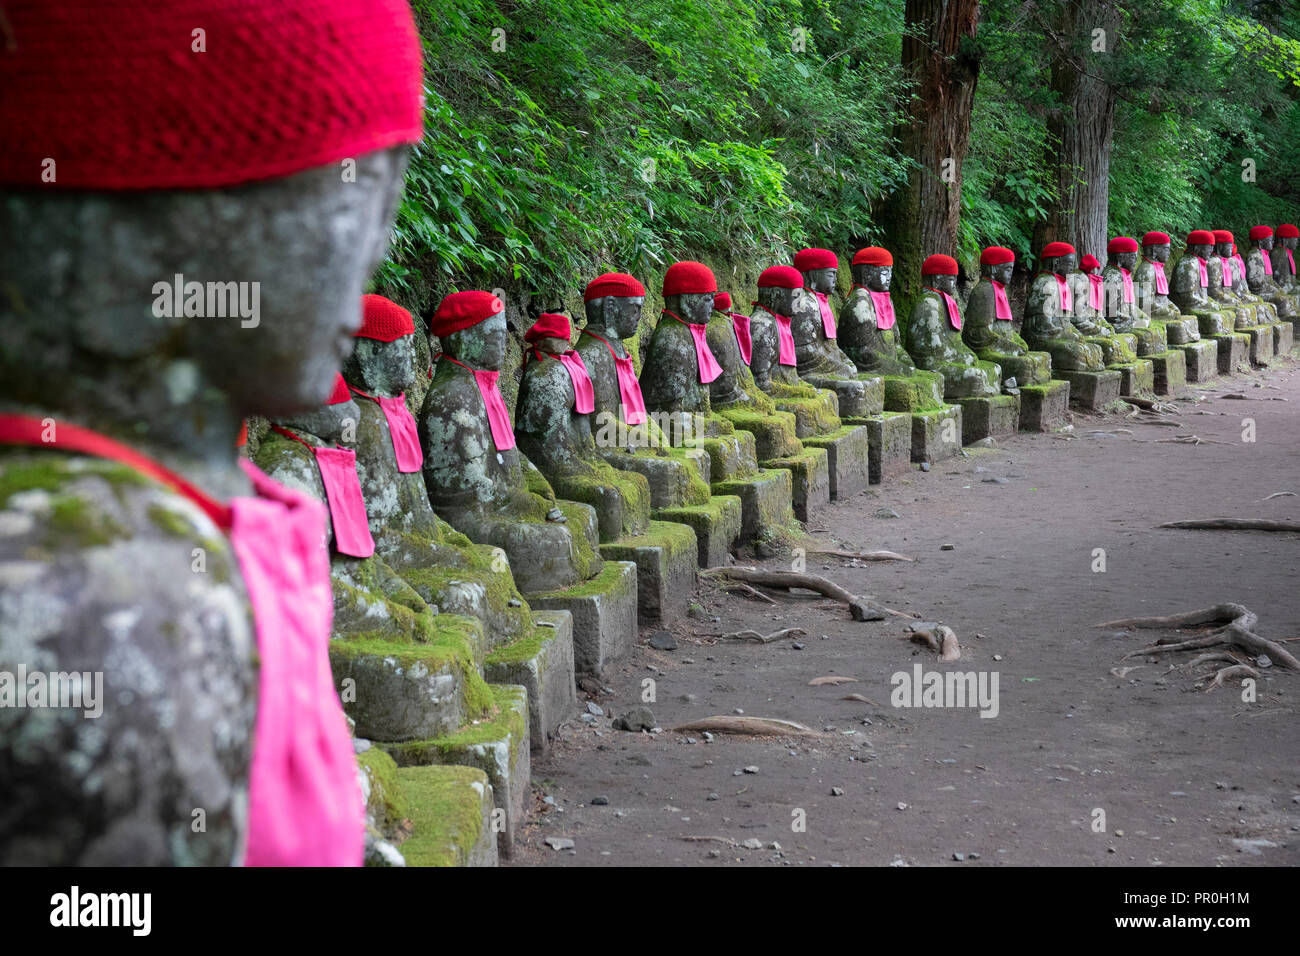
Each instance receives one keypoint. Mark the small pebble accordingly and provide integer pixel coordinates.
(600, 801)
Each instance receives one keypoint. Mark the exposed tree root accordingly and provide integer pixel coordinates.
(1226, 673)
(860, 608)
(1233, 524)
(744, 588)
(1238, 630)
(749, 726)
(862, 555)
(757, 638)
(1151, 405)
(939, 638)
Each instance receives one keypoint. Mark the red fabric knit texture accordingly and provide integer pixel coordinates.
(684, 278)
(460, 310)
(1054, 249)
(805, 260)
(1223, 235)
(939, 265)
(383, 319)
(873, 256)
(780, 277)
(1155, 238)
(722, 302)
(1122, 244)
(1261, 232)
(120, 96)
(1288, 231)
(549, 325)
(341, 392)
(613, 283)
(1200, 237)
(996, 256)
(1089, 262)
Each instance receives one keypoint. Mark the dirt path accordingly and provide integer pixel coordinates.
(1178, 773)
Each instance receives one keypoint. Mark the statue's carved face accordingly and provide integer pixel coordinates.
(1201, 250)
(1223, 249)
(780, 301)
(1001, 272)
(944, 283)
(480, 346)
(879, 277)
(1158, 252)
(695, 307)
(821, 280)
(388, 367)
(1289, 242)
(1266, 243)
(1063, 264)
(553, 345)
(1126, 260)
(326, 422)
(616, 314)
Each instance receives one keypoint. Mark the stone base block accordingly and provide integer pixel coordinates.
(731, 455)
(665, 559)
(810, 480)
(860, 397)
(669, 477)
(498, 746)
(909, 393)
(1234, 351)
(1261, 344)
(1181, 331)
(1215, 323)
(450, 809)
(604, 615)
(936, 433)
(1170, 372)
(716, 526)
(1091, 391)
(541, 663)
(1136, 378)
(847, 458)
(1283, 339)
(989, 417)
(1043, 407)
(766, 503)
(1201, 358)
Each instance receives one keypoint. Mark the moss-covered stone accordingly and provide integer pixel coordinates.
(773, 431)
(388, 803)
(446, 806)
(921, 390)
(505, 718)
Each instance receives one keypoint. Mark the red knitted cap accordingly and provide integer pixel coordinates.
(780, 277)
(1223, 235)
(1200, 237)
(939, 265)
(873, 256)
(805, 260)
(383, 319)
(1055, 249)
(1122, 244)
(341, 392)
(130, 95)
(1288, 231)
(613, 283)
(996, 256)
(1261, 232)
(722, 302)
(549, 325)
(683, 278)
(1089, 262)
(460, 310)
(1155, 239)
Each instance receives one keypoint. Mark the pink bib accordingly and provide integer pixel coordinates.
(401, 426)
(1204, 271)
(1162, 281)
(304, 806)
(828, 319)
(1241, 267)
(1128, 284)
(785, 337)
(884, 306)
(1001, 307)
(338, 473)
(629, 391)
(1095, 284)
(584, 395)
(1268, 265)
(740, 323)
(1290, 261)
(1063, 291)
(503, 435)
(954, 316)
(1227, 272)
(708, 366)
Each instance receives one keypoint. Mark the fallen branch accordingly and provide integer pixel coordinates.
(1233, 524)
(860, 608)
(831, 680)
(1151, 405)
(750, 726)
(758, 638)
(1278, 494)
(744, 588)
(863, 555)
(1238, 630)
(1237, 670)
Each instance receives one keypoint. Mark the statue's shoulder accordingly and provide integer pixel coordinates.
(290, 463)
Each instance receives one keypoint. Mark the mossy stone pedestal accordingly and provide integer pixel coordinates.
(936, 433)
(497, 745)
(860, 397)
(848, 459)
(665, 558)
(766, 494)
(777, 446)
(889, 445)
(1201, 359)
(912, 427)
(604, 610)
(450, 809)
(542, 664)
(1136, 378)
(1260, 348)
(1283, 338)
(992, 417)
(1043, 408)
(1233, 351)
(1091, 391)
(1170, 370)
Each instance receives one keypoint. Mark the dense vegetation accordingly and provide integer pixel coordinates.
(564, 137)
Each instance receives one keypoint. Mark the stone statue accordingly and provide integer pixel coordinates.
(1120, 298)
(1223, 287)
(1049, 311)
(934, 336)
(474, 474)
(1152, 285)
(1260, 273)
(1283, 258)
(868, 330)
(553, 425)
(988, 327)
(813, 322)
(189, 589)
(771, 326)
(1189, 289)
(1088, 289)
(678, 364)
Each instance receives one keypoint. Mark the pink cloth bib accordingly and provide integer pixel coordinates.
(828, 319)
(1290, 261)
(1204, 272)
(884, 307)
(1227, 272)
(503, 435)
(1095, 284)
(954, 316)
(784, 336)
(708, 366)
(1128, 284)
(1241, 267)
(629, 388)
(1063, 291)
(401, 426)
(1268, 265)
(1001, 307)
(740, 323)
(338, 473)
(584, 395)
(1162, 280)
(304, 806)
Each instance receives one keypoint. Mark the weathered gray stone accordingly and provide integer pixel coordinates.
(604, 615)
(1170, 370)
(848, 457)
(665, 558)
(543, 665)
(1201, 359)
(991, 417)
(1043, 408)
(1091, 391)
(936, 434)
(1136, 378)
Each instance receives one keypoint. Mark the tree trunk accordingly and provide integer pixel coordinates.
(922, 218)
(1082, 128)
